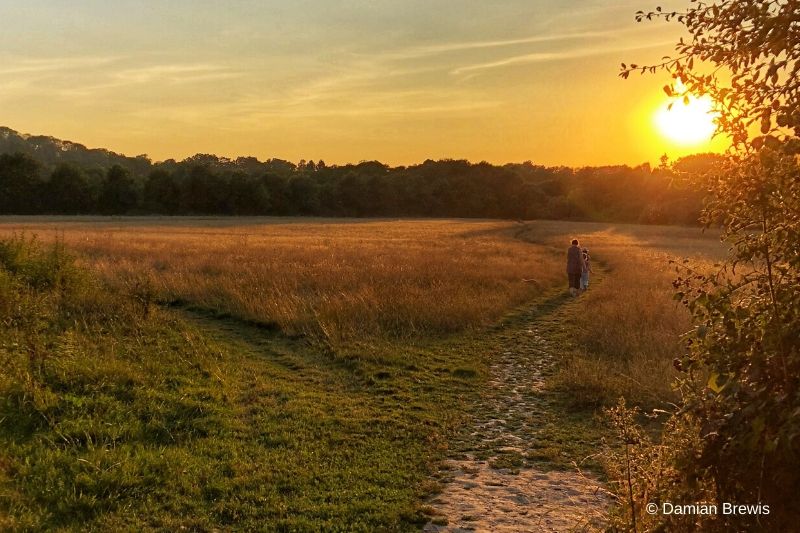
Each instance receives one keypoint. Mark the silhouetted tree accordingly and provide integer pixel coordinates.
(68, 191)
(204, 192)
(304, 195)
(119, 195)
(19, 184)
(162, 193)
(247, 196)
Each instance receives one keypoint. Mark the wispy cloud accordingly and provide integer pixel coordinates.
(539, 57)
(443, 48)
(49, 65)
(82, 77)
(175, 73)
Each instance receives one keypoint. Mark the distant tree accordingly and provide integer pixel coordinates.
(162, 193)
(68, 191)
(304, 195)
(202, 160)
(698, 165)
(247, 196)
(279, 167)
(139, 165)
(277, 188)
(381, 190)
(351, 195)
(249, 165)
(19, 184)
(204, 191)
(50, 152)
(119, 195)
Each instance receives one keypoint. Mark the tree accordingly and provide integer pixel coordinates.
(68, 191)
(303, 193)
(247, 196)
(162, 193)
(204, 192)
(277, 190)
(19, 184)
(118, 195)
(738, 433)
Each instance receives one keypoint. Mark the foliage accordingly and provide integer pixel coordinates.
(754, 44)
(208, 185)
(741, 391)
(19, 184)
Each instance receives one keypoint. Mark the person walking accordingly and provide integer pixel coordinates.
(575, 267)
(587, 268)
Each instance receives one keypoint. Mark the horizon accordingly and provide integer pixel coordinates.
(399, 84)
(353, 163)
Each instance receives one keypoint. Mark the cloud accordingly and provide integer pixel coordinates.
(540, 57)
(49, 65)
(88, 77)
(175, 73)
(443, 48)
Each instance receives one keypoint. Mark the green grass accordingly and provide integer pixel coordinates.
(116, 415)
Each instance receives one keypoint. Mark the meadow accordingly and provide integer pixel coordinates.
(291, 374)
(335, 281)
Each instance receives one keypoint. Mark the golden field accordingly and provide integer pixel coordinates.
(331, 279)
(627, 327)
(352, 280)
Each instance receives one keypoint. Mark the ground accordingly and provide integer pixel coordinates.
(520, 465)
(311, 374)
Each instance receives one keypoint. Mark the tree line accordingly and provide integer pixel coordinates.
(210, 185)
(44, 175)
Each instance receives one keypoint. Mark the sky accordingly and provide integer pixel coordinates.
(397, 81)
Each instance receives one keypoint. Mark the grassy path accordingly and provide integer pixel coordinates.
(513, 469)
(327, 442)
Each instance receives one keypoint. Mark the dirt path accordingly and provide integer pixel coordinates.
(500, 482)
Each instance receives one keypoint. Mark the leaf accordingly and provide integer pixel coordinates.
(714, 384)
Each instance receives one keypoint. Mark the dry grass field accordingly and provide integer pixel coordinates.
(628, 327)
(336, 281)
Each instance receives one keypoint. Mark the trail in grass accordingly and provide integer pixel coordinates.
(334, 443)
(514, 468)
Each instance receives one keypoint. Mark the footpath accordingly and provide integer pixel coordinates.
(517, 467)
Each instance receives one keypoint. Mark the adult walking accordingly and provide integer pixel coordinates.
(574, 267)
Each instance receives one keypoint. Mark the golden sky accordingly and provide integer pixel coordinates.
(399, 81)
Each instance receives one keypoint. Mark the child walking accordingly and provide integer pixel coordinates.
(587, 267)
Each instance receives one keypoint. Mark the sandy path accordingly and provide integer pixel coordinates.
(490, 488)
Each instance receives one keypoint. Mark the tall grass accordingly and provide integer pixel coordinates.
(334, 281)
(342, 281)
(627, 328)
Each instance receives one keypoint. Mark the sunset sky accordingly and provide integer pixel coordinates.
(399, 81)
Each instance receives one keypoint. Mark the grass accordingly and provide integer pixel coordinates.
(335, 281)
(116, 417)
(626, 330)
(309, 374)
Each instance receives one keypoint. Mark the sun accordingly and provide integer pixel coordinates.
(689, 123)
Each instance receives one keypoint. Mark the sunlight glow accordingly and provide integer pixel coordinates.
(687, 124)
